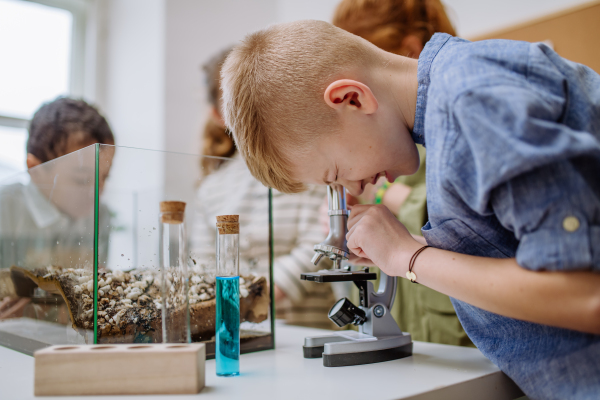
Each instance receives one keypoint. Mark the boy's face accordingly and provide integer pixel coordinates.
(358, 155)
(69, 183)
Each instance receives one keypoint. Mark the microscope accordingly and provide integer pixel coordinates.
(378, 338)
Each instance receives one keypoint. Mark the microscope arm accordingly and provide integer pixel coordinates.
(386, 292)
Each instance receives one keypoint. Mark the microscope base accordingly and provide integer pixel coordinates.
(352, 348)
(367, 357)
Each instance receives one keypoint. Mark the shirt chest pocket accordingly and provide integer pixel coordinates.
(455, 235)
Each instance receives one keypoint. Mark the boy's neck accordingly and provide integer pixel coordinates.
(400, 85)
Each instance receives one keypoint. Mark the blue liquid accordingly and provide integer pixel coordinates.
(227, 349)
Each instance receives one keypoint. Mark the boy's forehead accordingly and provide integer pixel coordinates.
(315, 167)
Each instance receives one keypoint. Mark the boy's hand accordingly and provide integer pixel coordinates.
(376, 237)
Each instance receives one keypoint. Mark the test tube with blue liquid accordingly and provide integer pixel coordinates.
(227, 347)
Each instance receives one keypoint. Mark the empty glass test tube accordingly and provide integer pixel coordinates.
(174, 273)
(227, 349)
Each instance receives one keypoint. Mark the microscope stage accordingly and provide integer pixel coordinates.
(328, 275)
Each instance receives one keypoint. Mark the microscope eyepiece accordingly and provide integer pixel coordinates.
(335, 247)
(344, 312)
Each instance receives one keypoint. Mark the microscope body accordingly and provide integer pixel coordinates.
(378, 338)
(334, 246)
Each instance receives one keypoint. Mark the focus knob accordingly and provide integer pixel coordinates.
(344, 312)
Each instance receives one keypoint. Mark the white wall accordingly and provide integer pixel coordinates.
(153, 90)
(130, 90)
(134, 93)
(194, 32)
(294, 10)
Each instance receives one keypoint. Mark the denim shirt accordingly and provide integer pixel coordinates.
(512, 133)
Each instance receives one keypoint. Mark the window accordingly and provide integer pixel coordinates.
(39, 50)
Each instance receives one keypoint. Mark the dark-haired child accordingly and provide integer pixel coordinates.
(46, 217)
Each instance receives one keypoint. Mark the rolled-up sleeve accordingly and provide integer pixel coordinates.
(539, 178)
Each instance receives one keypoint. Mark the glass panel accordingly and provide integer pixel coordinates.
(12, 151)
(138, 181)
(47, 233)
(46, 253)
(35, 44)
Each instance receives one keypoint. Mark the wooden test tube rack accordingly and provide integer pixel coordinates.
(132, 369)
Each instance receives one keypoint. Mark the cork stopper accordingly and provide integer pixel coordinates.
(172, 212)
(228, 224)
(228, 218)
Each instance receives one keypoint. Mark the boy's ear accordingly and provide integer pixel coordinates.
(346, 93)
(32, 161)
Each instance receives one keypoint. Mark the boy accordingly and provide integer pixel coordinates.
(45, 220)
(512, 133)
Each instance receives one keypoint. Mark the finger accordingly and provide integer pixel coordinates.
(359, 252)
(357, 213)
(352, 229)
(355, 247)
(354, 220)
(350, 232)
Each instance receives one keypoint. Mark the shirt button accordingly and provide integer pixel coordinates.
(570, 224)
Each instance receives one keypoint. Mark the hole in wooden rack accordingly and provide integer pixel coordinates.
(66, 348)
(102, 347)
(176, 346)
(138, 347)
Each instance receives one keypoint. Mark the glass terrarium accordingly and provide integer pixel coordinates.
(79, 249)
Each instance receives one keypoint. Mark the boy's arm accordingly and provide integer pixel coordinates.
(564, 299)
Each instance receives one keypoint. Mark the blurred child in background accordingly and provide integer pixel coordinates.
(47, 219)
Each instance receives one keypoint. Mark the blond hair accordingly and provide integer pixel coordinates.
(273, 85)
(386, 23)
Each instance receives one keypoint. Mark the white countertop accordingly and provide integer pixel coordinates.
(433, 372)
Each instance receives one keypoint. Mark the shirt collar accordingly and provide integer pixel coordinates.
(429, 52)
(42, 211)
